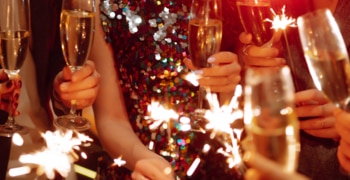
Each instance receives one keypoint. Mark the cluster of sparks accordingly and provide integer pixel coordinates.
(281, 21)
(218, 121)
(57, 156)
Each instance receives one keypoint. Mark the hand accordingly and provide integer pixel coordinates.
(224, 74)
(9, 93)
(342, 126)
(152, 169)
(254, 56)
(313, 106)
(82, 86)
(263, 168)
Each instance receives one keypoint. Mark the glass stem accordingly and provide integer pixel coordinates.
(11, 119)
(201, 97)
(73, 107)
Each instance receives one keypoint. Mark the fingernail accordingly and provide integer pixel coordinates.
(63, 87)
(16, 96)
(15, 105)
(247, 156)
(20, 83)
(198, 72)
(211, 59)
(282, 61)
(9, 84)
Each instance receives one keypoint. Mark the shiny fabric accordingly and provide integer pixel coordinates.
(149, 39)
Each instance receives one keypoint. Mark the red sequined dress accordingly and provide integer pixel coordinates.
(149, 39)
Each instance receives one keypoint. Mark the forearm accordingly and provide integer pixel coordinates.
(119, 140)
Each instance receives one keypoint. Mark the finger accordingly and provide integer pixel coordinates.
(343, 131)
(224, 70)
(138, 176)
(6, 87)
(224, 88)
(310, 96)
(330, 133)
(219, 80)
(314, 110)
(344, 148)
(85, 71)
(245, 38)
(223, 57)
(66, 74)
(80, 95)
(3, 76)
(90, 82)
(188, 63)
(342, 119)
(154, 172)
(263, 62)
(317, 123)
(260, 52)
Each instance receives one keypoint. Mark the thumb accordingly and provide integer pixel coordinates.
(66, 74)
(245, 38)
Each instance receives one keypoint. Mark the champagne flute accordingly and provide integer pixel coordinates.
(253, 15)
(205, 32)
(269, 115)
(77, 27)
(326, 55)
(14, 35)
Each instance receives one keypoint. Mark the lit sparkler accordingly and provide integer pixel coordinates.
(58, 155)
(280, 23)
(219, 122)
(162, 117)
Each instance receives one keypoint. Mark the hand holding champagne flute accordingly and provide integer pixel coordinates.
(14, 35)
(76, 28)
(254, 15)
(205, 32)
(326, 55)
(269, 116)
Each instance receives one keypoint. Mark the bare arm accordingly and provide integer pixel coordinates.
(112, 123)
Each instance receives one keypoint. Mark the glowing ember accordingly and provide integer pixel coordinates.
(193, 166)
(17, 139)
(119, 162)
(58, 155)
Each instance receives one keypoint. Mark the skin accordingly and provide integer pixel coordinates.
(342, 126)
